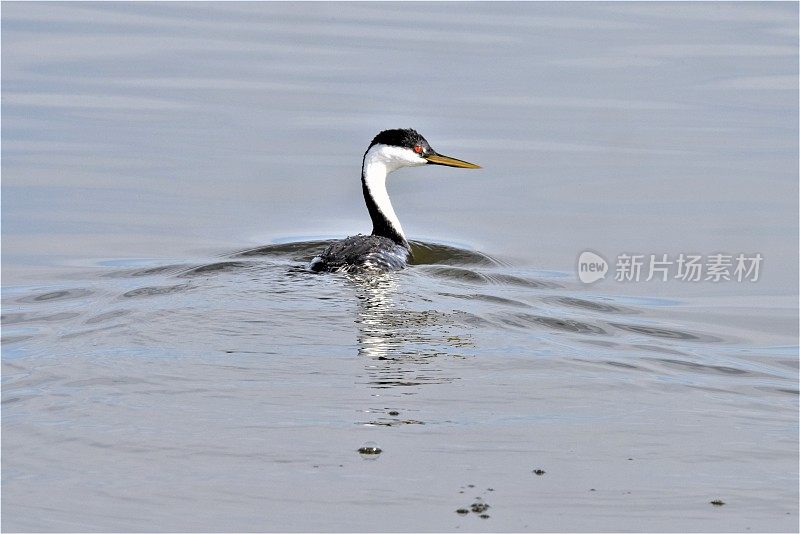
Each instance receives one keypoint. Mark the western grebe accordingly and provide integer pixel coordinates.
(387, 248)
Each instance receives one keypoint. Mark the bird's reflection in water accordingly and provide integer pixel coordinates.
(403, 347)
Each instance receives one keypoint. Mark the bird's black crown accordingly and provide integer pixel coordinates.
(402, 137)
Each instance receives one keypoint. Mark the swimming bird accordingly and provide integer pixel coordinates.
(387, 248)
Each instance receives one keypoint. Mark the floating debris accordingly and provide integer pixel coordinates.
(462, 511)
(479, 507)
(395, 422)
(717, 502)
(394, 412)
(370, 448)
(484, 516)
(539, 472)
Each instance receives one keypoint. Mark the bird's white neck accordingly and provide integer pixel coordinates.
(379, 161)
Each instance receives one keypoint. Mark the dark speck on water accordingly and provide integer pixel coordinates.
(479, 507)
(370, 450)
(171, 363)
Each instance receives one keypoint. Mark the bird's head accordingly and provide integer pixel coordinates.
(407, 148)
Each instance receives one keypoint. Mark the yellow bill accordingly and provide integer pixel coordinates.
(438, 159)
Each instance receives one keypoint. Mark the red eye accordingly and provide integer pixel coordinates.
(418, 149)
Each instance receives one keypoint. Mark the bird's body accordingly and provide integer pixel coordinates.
(387, 248)
(362, 252)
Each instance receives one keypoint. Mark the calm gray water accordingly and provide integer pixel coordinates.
(169, 363)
